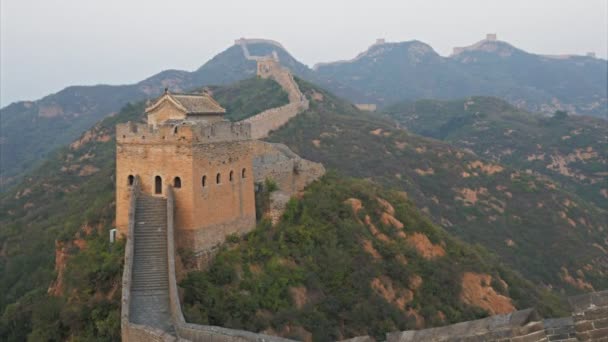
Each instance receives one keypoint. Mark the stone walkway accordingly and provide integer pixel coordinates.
(150, 282)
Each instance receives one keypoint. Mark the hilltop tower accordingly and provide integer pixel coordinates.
(187, 144)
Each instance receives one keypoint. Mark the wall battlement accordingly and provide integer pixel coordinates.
(182, 133)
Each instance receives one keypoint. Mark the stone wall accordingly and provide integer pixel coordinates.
(560, 329)
(520, 325)
(589, 322)
(272, 119)
(289, 171)
(128, 263)
(370, 107)
(131, 331)
(277, 162)
(182, 133)
(590, 314)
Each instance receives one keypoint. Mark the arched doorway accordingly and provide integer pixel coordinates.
(158, 185)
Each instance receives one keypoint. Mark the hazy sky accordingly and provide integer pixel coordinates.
(47, 45)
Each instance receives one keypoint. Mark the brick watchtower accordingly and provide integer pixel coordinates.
(208, 161)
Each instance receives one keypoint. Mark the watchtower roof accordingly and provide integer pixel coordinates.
(189, 103)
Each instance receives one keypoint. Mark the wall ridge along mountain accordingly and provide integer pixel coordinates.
(269, 67)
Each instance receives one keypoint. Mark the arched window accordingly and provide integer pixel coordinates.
(218, 178)
(177, 182)
(243, 173)
(158, 185)
(204, 181)
(130, 180)
(231, 175)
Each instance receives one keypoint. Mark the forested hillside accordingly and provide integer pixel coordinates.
(552, 236)
(351, 258)
(570, 149)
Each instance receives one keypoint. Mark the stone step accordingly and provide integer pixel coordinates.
(145, 289)
(151, 247)
(151, 279)
(152, 237)
(143, 267)
(150, 261)
(145, 223)
(149, 212)
(149, 283)
(144, 261)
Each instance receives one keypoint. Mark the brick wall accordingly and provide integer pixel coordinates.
(517, 326)
(560, 329)
(265, 122)
(590, 314)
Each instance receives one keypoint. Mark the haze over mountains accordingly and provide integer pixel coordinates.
(384, 74)
(424, 199)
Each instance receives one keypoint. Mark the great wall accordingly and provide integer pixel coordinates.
(214, 166)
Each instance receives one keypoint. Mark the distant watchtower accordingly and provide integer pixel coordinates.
(188, 144)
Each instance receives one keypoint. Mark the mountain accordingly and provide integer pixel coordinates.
(550, 235)
(31, 130)
(567, 148)
(391, 72)
(384, 74)
(55, 225)
(351, 258)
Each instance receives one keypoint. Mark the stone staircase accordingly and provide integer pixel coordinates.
(150, 280)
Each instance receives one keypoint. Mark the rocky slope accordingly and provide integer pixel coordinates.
(350, 258)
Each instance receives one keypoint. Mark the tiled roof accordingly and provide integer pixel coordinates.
(190, 103)
(198, 103)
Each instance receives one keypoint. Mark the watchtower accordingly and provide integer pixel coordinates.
(188, 144)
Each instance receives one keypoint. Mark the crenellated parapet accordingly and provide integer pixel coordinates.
(182, 133)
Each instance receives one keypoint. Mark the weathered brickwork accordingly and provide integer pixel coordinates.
(589, 322)
(210, 166)
(516, 326)
(265, 122)
(290, 172)
(590, 314)
(277, 162)
(560, 329)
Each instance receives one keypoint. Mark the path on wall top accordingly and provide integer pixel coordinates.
(265, 122)
(150, 283)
